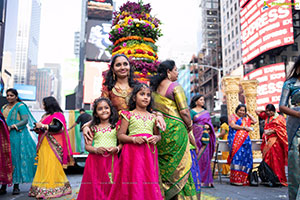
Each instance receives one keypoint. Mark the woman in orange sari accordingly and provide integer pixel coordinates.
(275, 142)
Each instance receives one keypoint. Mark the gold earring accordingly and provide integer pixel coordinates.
(169, 76)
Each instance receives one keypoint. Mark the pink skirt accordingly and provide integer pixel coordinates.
(137, 173)
(96, 182)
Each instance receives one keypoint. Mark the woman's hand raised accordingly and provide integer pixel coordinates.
(87, 133)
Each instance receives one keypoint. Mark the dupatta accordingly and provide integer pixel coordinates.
(59, 142)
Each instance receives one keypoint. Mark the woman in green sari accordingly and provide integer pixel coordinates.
(173, 150)
(23, 147)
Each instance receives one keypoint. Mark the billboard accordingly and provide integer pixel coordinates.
(271, 79)
(100, 9)
(265, 25)
(97, 40)
(26, 92)
(93, 78)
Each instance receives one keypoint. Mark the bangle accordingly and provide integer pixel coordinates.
(118, 149)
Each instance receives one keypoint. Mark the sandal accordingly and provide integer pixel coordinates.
(16, 191)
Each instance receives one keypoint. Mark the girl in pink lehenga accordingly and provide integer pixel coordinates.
(137, 172)
(99, 167)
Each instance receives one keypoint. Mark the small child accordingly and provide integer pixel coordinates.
(99, 166)
(137, 175)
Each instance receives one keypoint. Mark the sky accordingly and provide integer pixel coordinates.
(61, 18)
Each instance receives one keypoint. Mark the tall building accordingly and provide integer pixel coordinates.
(56, 80)
(231, 35)
(77, 44)
(44, 84)
(22, 35)
(209, 60)
(184, 80)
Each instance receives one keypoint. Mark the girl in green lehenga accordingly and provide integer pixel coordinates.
(173, 150)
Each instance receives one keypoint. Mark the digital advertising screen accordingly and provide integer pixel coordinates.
(97, 40)
(100, 9)
(26, 92)
(93, 79)
(265, 25)
(271, 79)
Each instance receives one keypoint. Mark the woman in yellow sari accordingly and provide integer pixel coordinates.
(54, 153)
(224, 130)
(174, 155)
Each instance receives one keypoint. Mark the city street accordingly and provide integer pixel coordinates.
(223, 191)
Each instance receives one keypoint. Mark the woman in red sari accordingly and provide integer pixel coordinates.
(275, 142)
(6, 168)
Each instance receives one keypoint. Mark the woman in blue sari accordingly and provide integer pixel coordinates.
(23, 147)
(240, 156)
(291, 92)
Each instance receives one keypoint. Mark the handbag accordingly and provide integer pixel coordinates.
(253, 178)
(267, 176)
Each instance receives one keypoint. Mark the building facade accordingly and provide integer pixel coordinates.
(231, 35)
(206, 68)
(22, 36)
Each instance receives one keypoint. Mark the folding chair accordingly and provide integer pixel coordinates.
(222, 146)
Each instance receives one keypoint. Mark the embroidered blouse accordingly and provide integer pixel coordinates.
(139, 124)
(105, 137)
(290, 89)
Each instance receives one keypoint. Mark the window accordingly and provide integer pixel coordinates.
(237, 54)
(229, 49)
(225, 52)
(232, 33)
(228, 26)
(284, 59)
(272, 59)
(231, 22)
(235, 7)
(236, 18)
(227, 5)
(233, 57)
(227, 15)
(233, 45)
(236, 30)
(231, 11)
(225, 41)
(237, 42)
(228, 37)
(224, 19)
(295, 47)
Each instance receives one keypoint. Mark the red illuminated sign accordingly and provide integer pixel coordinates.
(265, 26)
(271, 79)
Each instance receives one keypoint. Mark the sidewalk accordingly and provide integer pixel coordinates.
(225, 191)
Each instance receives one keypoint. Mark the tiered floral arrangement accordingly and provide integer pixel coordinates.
(134, 33)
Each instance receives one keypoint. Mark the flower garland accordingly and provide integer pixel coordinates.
(134, 32)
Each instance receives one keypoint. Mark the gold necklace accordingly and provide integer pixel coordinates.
(123, 92)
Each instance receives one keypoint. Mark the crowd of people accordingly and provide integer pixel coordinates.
(145, 141)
